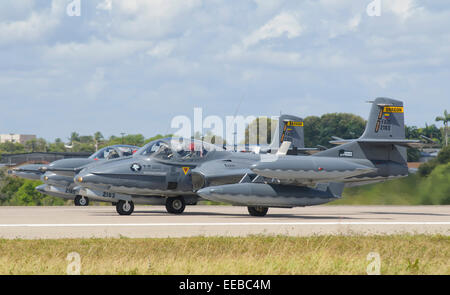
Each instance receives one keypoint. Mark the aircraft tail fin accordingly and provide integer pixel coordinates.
(386, 125)
(383, 139)
(290, 128)
(386, 120)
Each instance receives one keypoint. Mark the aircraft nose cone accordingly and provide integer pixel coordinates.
(44, 177)
(83, 178)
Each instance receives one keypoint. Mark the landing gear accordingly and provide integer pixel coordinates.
(175, 205)
(125, 207)
(81, 201)
(258, 211)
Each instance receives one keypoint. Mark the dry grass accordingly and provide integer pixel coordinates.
(400, 254)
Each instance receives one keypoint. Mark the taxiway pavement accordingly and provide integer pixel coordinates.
(202, 220)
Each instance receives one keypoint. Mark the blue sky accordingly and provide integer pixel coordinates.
(131, 66)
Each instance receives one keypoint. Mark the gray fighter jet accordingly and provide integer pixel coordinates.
(287, 181)
(180, 170)
(167, 171)
(58, 175)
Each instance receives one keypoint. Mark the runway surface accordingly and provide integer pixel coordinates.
(154, 221)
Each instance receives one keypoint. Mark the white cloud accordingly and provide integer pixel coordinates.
(384, 80)
(96, 84)
(94, 52)
(148, 19)
(105, 5)
(36, 26)
(188, 53)
(282, 24)
(162, 49)
(268, 5)
(402, 8)
(354, 22)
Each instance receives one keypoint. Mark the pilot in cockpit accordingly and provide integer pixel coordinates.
(111, 154)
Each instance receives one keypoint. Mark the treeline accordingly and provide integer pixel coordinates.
(318, 131)
(75, 143)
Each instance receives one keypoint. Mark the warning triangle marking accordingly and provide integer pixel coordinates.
(185, 170)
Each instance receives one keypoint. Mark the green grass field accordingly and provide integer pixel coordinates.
(412, 190)
(400, 254)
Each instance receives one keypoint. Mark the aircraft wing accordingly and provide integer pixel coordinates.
(341, 141)
(401, 142)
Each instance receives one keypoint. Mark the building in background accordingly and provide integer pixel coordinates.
(16, 138)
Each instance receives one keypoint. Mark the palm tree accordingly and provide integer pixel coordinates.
(98, 136)
(445, 120)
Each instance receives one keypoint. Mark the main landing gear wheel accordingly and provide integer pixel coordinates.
(175, 205)
(81, 201)
(258, 211)
(125, 207)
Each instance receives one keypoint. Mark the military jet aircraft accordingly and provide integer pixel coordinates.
(287, 181)
(58, 175)
(165, 171)
(183, 169)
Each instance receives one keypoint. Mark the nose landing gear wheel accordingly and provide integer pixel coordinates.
(175, 205)
(81, 201)
(125, 207)
(258, 211)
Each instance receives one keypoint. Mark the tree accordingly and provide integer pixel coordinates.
(443, 158)
(74, 137)
(98, 137)
(130, 139)
(412, 132)
(318, 131)
(445, 120)
(57, 146)
(262, 136)
(158, 136)
(11, 147)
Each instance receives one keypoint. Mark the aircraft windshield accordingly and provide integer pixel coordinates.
(177, 149)
(114, 152)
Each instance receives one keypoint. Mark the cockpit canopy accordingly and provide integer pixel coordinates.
(177, 149)
(114, 152)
